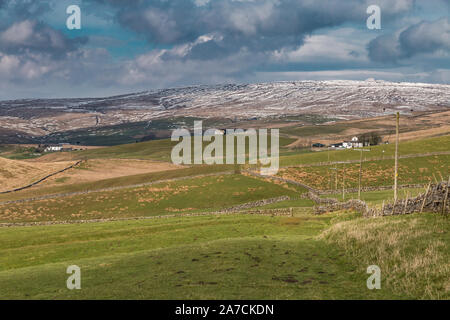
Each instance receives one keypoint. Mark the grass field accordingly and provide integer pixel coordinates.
(18, 152)
(435, 144)
(376, 198)
(412, 127)
(374, 173)
(149, 150)
(17, 173)
(115, 182)
(235, 256)
(176, 197)
(228, 257)
(161, 149)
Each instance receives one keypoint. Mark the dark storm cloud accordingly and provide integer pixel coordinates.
(426, 37)
(259, 25)
(423, 37)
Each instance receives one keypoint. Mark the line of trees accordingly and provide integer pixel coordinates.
(370, 139)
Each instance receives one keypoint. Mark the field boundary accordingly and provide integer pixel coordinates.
(327, 192)
(406, 156)
(238, 209)
(42, 179)
(374, 188)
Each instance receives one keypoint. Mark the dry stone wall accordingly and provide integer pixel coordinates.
(435, 199)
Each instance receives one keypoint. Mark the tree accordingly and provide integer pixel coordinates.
(370, 138)
(374, 139)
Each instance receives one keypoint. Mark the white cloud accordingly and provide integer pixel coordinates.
(8, 63)
(18, 33)
(339, 46)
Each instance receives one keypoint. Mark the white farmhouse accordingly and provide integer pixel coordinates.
(52, 148)
(354, 143)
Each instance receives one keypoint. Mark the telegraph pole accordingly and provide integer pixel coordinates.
(397, 118)
(329, 173)
(360, 171)
(360, 174)
(343, 182)
(336, 179)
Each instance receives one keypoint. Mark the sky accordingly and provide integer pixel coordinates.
(138, 45)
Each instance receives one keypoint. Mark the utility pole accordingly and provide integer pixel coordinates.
(343, 183)
(335, 169)
(360, 171)
(336, 179)
(397, 120)
(329, 173)
(360, 174)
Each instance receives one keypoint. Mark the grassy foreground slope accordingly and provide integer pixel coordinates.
(229, 257)
(412, 251)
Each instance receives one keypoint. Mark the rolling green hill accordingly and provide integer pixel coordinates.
(235, 256)
(152, 150)
(420, 146)
(228, 257)
(175, 197)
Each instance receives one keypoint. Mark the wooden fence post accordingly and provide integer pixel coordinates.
(435, 180)
(440, 174)
(393, 207)
(425, 197)
(406, 203)
(444, 206)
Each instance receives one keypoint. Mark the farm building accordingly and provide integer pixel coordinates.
(318, 145)
(53, 148)
(354, 143)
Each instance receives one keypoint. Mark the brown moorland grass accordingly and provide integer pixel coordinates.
(100, 169)
(199, 194)
(18, 173)
(419, 170)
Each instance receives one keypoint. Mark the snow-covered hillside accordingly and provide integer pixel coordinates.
(339, 98)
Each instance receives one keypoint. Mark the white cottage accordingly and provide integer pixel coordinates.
(52, 148)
